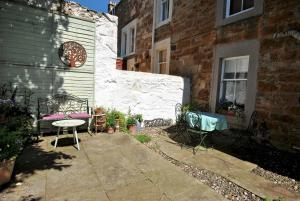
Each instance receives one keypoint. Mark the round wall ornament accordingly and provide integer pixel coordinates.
(72, 54)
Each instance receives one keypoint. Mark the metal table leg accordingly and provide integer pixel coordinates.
(57, 135)
(76, 137)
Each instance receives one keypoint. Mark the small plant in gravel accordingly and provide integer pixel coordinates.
(143, 138)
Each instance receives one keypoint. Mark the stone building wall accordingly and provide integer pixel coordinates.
(143, 11)
(195, 35)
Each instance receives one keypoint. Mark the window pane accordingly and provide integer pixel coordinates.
(163, 68)
(229, 69)
(124, 43)
(162, 56)
(242, 68)
(165, 10)
(235, 6)
(227, 93)
(248, 4)
(240, 94)
(132, 32)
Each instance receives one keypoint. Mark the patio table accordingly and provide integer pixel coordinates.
(206, 121)
(67, 124)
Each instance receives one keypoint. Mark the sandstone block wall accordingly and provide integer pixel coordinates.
(194, 37)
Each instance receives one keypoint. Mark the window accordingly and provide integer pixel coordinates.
(234, 79)
(162, 61)
(124, 43)
(234, 7)
(163, 12)
(230, 11)
(132, 40)
(233, 86)
(128, 39)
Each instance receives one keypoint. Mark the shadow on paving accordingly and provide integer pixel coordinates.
(34, 159)
(237, 143)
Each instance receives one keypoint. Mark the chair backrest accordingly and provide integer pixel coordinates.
(62, 104)
(178, 112)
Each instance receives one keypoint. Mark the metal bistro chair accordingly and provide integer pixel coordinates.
(184, 128)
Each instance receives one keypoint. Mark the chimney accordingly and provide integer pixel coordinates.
(111, 7)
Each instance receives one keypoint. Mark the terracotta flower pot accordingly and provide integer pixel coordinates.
(110, 130)
(6, 170)
(3, 119)
(132, 129)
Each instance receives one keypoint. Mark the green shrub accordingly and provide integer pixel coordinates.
(143, 138)
(122, 119)
(139, 117)
(11, 143)
(131, 121)
(110, 120)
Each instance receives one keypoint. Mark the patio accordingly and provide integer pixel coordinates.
(108, 167)
(118, 167)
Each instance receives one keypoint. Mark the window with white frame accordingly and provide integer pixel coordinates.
(162, 52)
(233, 86)
(128, 39)
(163, 11)
(124, 43)
(162, 61)
(234, 7)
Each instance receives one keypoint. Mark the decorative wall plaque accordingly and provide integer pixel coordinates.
(72, 54)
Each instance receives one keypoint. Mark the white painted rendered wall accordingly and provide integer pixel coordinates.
(152, 95)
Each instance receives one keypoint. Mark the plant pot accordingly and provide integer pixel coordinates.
(230, 113)
(3, 119)
(132, 129)
(110, 130)
(6, 170)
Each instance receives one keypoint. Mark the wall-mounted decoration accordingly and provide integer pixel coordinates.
(72, 54)
(295, 34)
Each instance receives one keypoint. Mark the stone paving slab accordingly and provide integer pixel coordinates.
(107, 168)
(236, 170)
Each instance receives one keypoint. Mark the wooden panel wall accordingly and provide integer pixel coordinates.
(29, 43)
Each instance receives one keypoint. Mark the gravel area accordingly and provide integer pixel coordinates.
(221, 185)
(290, 184)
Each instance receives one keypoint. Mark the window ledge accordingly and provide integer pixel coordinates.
(163, 23)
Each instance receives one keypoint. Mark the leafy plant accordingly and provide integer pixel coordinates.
(110, 121)
(11, 143)
(131, 121)
(143, 138)
(139, 117)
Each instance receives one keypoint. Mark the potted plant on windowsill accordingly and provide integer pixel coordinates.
(11, 143)
(131, 124)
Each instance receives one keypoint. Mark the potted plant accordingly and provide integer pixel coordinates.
(11, 143)
(131, 124)
(110, 124)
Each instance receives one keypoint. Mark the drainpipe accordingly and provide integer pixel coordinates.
(153, 37)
